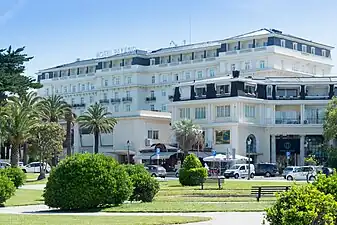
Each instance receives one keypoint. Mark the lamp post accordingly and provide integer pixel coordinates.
(128, 143)
(249, 143)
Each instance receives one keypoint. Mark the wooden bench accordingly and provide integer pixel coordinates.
(259, 191)
(219, 180)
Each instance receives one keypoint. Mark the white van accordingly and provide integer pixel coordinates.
(240, 170)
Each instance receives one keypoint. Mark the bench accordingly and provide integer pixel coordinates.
(260, 191)
(219, 180)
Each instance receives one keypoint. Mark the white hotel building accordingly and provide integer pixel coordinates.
(262, 92)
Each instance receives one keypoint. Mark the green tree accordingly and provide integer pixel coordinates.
(98, 121)
(330, 120)
(11, 70)
(47, 139)
(187, 134)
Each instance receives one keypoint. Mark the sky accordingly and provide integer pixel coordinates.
(60, 31)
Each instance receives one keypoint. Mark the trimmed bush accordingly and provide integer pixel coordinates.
(7, 189)
(192, 172)
(15, 174)
(302, 205)
(327, 185)
(86, 181)
(145, 186)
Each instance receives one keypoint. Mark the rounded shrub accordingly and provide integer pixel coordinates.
(15, 174)
(327, 185)
(302, 205)
(145, 186)
(192, 172)
(85, 181)
(7, 189)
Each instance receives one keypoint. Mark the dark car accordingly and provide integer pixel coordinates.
(266, 169)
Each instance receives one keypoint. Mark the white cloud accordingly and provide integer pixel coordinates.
(9, 14)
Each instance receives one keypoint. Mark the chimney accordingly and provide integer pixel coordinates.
(78, 59)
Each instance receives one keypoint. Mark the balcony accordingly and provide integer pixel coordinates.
(115, 100)
(150, 99)
(315, 120)
(78, 105)
(127, 99)
(104, 101)
(283, 120)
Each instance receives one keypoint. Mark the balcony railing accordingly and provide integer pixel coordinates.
(282, 120)
(316, 120)
(150, 99)
(127, 99)
(78, 105)
(115, 100)
(104, 101)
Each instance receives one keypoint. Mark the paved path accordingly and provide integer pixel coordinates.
(232, 218)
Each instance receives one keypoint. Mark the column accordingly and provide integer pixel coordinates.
(302, 150)
(302, 113)
(273, 148)
(77, 140)
(209, 114)
(209, 138)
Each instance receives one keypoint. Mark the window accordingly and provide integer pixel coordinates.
(105, 96)
(249, 111)
(163, 93)
(152, 94)
(247, 65)
(211, 72)
(83, 87)
(200, 113)
(82, 100)
(262, 64)
(127, 94)
(283, 43)
(116, 95)
(65, 90)
(312, 50)
(72, 101)
(91, 99)
(153, 79)
(185, 113)
(187, 75)
(92, 86)
(223, 111)
(129, 80)
(324, 52)
(152, 62)
(165, 78)
(269, 90)
(106, 83)
(199, 74)
(295, 46)
(265, 43)
(127, 108)
(304, 48)
(176, 76)
(201, 91)
(163, 108)
(118, 79)
(233, 66)
(74, 88)
(113, 80)
(153, 134)
(222, 89)
(250, 89)
(116, 107)
(250, 45)
(152, 107)
(222, 137)
(56, 90)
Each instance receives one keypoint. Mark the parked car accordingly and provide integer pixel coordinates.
(266, 169)
(302, 173)
(240, 170)
(34, 167)
(156, 171)
(4, 165)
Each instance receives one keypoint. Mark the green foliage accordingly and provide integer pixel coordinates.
(53, 108)
(7, 189)
(310, 161)
(332, 157)
(15, 174)
(192, 172)
(302, 205)
(47, 140)
(85, 181)
(145, 186)
(327, 185)
(330, 120)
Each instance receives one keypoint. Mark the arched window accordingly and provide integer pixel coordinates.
(251, 144)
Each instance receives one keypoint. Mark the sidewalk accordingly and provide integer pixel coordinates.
(226, 218)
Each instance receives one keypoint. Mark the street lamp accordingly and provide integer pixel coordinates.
(249, 143)
(128, 143)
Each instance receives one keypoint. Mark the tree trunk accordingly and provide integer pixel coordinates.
(96, 135)
(68, 138)
(25, 153)
(15, 155)
(42, 169)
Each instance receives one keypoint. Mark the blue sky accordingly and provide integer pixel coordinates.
(59, 31)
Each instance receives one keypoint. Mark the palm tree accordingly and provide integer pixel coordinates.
(98, 121)
(19, 120)
(70, 117)
(187, 134)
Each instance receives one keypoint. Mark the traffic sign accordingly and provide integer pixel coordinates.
(157, 151)
(214, 152)
(288, 155)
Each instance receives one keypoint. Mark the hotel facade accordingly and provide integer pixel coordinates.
(261, 93)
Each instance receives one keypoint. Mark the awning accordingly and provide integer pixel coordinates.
(152, 155)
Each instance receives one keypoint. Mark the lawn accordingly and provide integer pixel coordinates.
(95, 220)
(25, 197)
(31, 178)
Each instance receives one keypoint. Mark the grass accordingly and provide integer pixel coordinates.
(31, 178)
(25, 197)
(95, 220)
